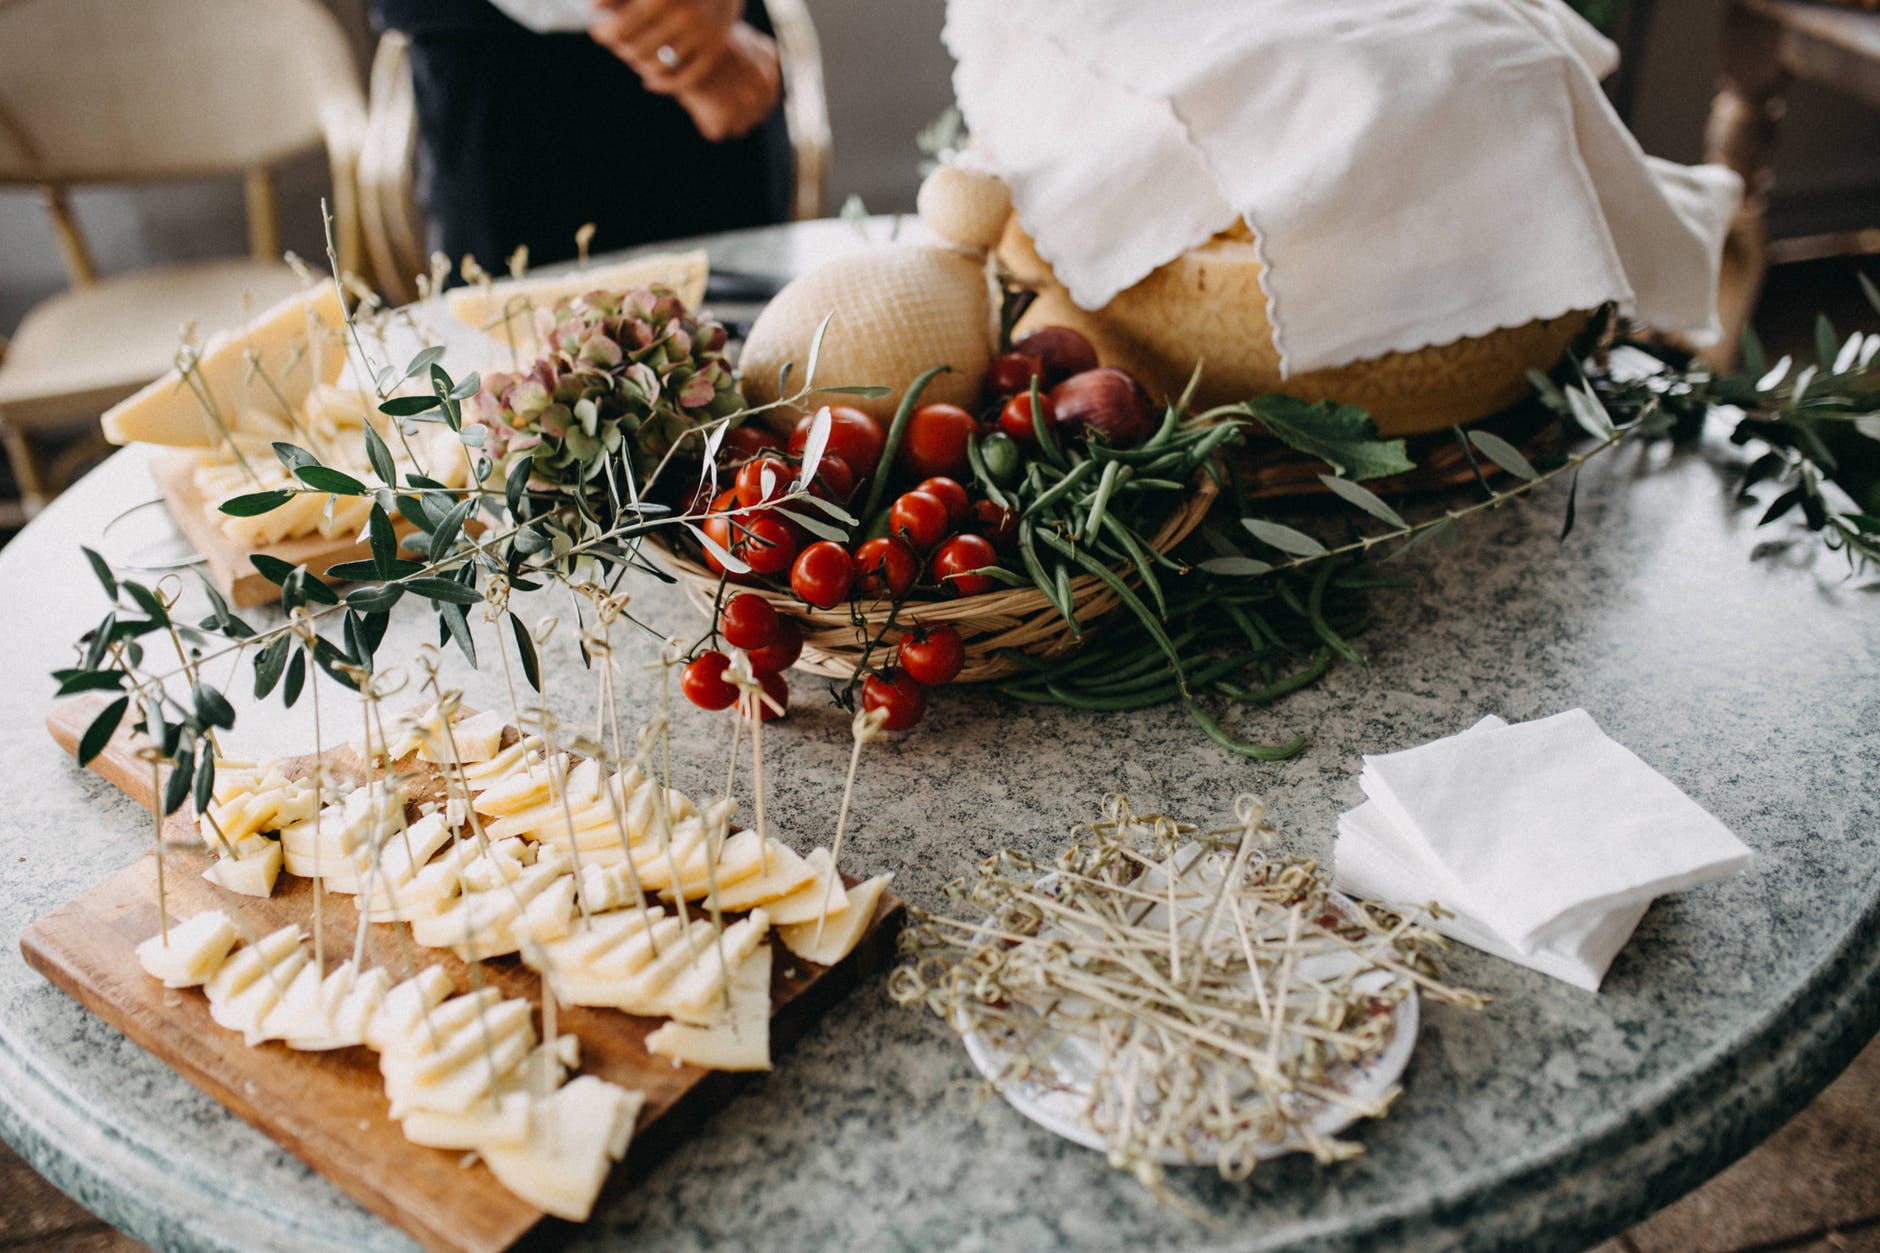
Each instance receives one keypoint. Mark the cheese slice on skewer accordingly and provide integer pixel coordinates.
(405, 1004)
(575, 1137)
(807, 904)
(787, 873)
(195, 949)
(252, 871)
(697, 993)
(502, 1122)
(740, 1038)
(245, 1011)
(840, 932)
(354, 999)
(250, 961)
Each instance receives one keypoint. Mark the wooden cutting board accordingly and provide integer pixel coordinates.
(329, 1109)
(230, 569)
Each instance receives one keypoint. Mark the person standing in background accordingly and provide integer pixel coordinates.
(660, 119)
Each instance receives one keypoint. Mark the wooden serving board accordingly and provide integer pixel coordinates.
(329, 1109)
(230, 569)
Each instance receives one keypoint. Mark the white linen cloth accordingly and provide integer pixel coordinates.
(1547, 841)
(1414, 170)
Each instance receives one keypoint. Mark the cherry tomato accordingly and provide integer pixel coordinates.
(918, 517)
(997, 523)
(823, 574)
(903, 699)
(717, 529)
(782, 651)
(1015, 418)
(1012, 373)
(747, 621)
(885, 566)
(935, 442)
(953, 496)
(751, 490)
(745, 442)
(768, 544)
(933, 655)
(853, 436)
(703, 681)
(835, 480)
(775, 688)
(960, 554)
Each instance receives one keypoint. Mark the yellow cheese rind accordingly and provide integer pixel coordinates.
(168, 410)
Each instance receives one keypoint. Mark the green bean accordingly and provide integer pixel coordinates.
(1154, 485)
(1134, 700)
(1320, 627)
(1028, 555)
(1273, 690)
(1139, 556)
(1124, 594)
(891, 446)
(1059, 490)
(1259, 752)
(1064, 594)
(1047, 438)
(1100, 503)
(1171, 424)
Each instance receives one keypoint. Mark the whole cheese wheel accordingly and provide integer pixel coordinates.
(1206, 305)
(899, 310)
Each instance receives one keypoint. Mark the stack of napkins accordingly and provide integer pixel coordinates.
(1545, 841)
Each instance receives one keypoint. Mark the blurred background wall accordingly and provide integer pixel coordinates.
(888, 77)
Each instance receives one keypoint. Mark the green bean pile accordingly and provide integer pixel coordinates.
(1189, 633)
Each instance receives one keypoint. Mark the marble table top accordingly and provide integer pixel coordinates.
(1549, 1120)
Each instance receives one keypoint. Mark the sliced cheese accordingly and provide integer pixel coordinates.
(475, 739)
(245, 1011)
(250, 961)
(302, 1010)
(295, 344)
(191, 953)
(575, 1137)
(500, 1123)
(787, 873)
(840, 933)
(739, 1039)
(697, 993)
(405, 1004)
(810, 902)
(505, 309)
(252, 871)
(353, 1000)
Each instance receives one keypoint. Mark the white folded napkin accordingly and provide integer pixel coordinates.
(1415, 170)
(1546, 841)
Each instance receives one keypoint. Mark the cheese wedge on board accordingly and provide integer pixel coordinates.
(575, 1137)
(195, 948)
(823, 895)
(252, 872)
(297, 343)
(506, 308)
(739, 1039)
(840, 932)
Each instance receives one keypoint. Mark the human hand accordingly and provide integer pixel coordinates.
(673, 43)
(739, 89)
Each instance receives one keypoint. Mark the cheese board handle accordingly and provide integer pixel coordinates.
(119, 765)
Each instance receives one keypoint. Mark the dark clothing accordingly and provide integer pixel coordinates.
(525, 137)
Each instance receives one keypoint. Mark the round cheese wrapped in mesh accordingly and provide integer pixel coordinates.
(899, 309)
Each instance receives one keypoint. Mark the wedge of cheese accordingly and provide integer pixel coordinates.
(575, 1137)
(194, 949)
(749, 875)
(247, 1010)
(828, 941)
(505, 309)
(502, 1122)
(739, 1039)
(295, 345)
(405, 1004)
(697, 993)
(825, 895)
(252, 871)
(353, 999)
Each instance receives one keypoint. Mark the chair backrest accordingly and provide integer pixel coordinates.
(805, 104)
(113, 90)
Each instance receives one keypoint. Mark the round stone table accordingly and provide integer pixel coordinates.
(1549, 1120)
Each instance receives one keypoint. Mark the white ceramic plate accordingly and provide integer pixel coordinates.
(1058, 1100)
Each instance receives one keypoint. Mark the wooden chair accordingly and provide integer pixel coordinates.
(1768, 44)
(123, 91)
(394, 228)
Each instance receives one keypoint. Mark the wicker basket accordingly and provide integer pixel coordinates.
(1011, 618)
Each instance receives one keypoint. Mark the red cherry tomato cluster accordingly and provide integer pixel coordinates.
(938, 536)
(771, 643)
